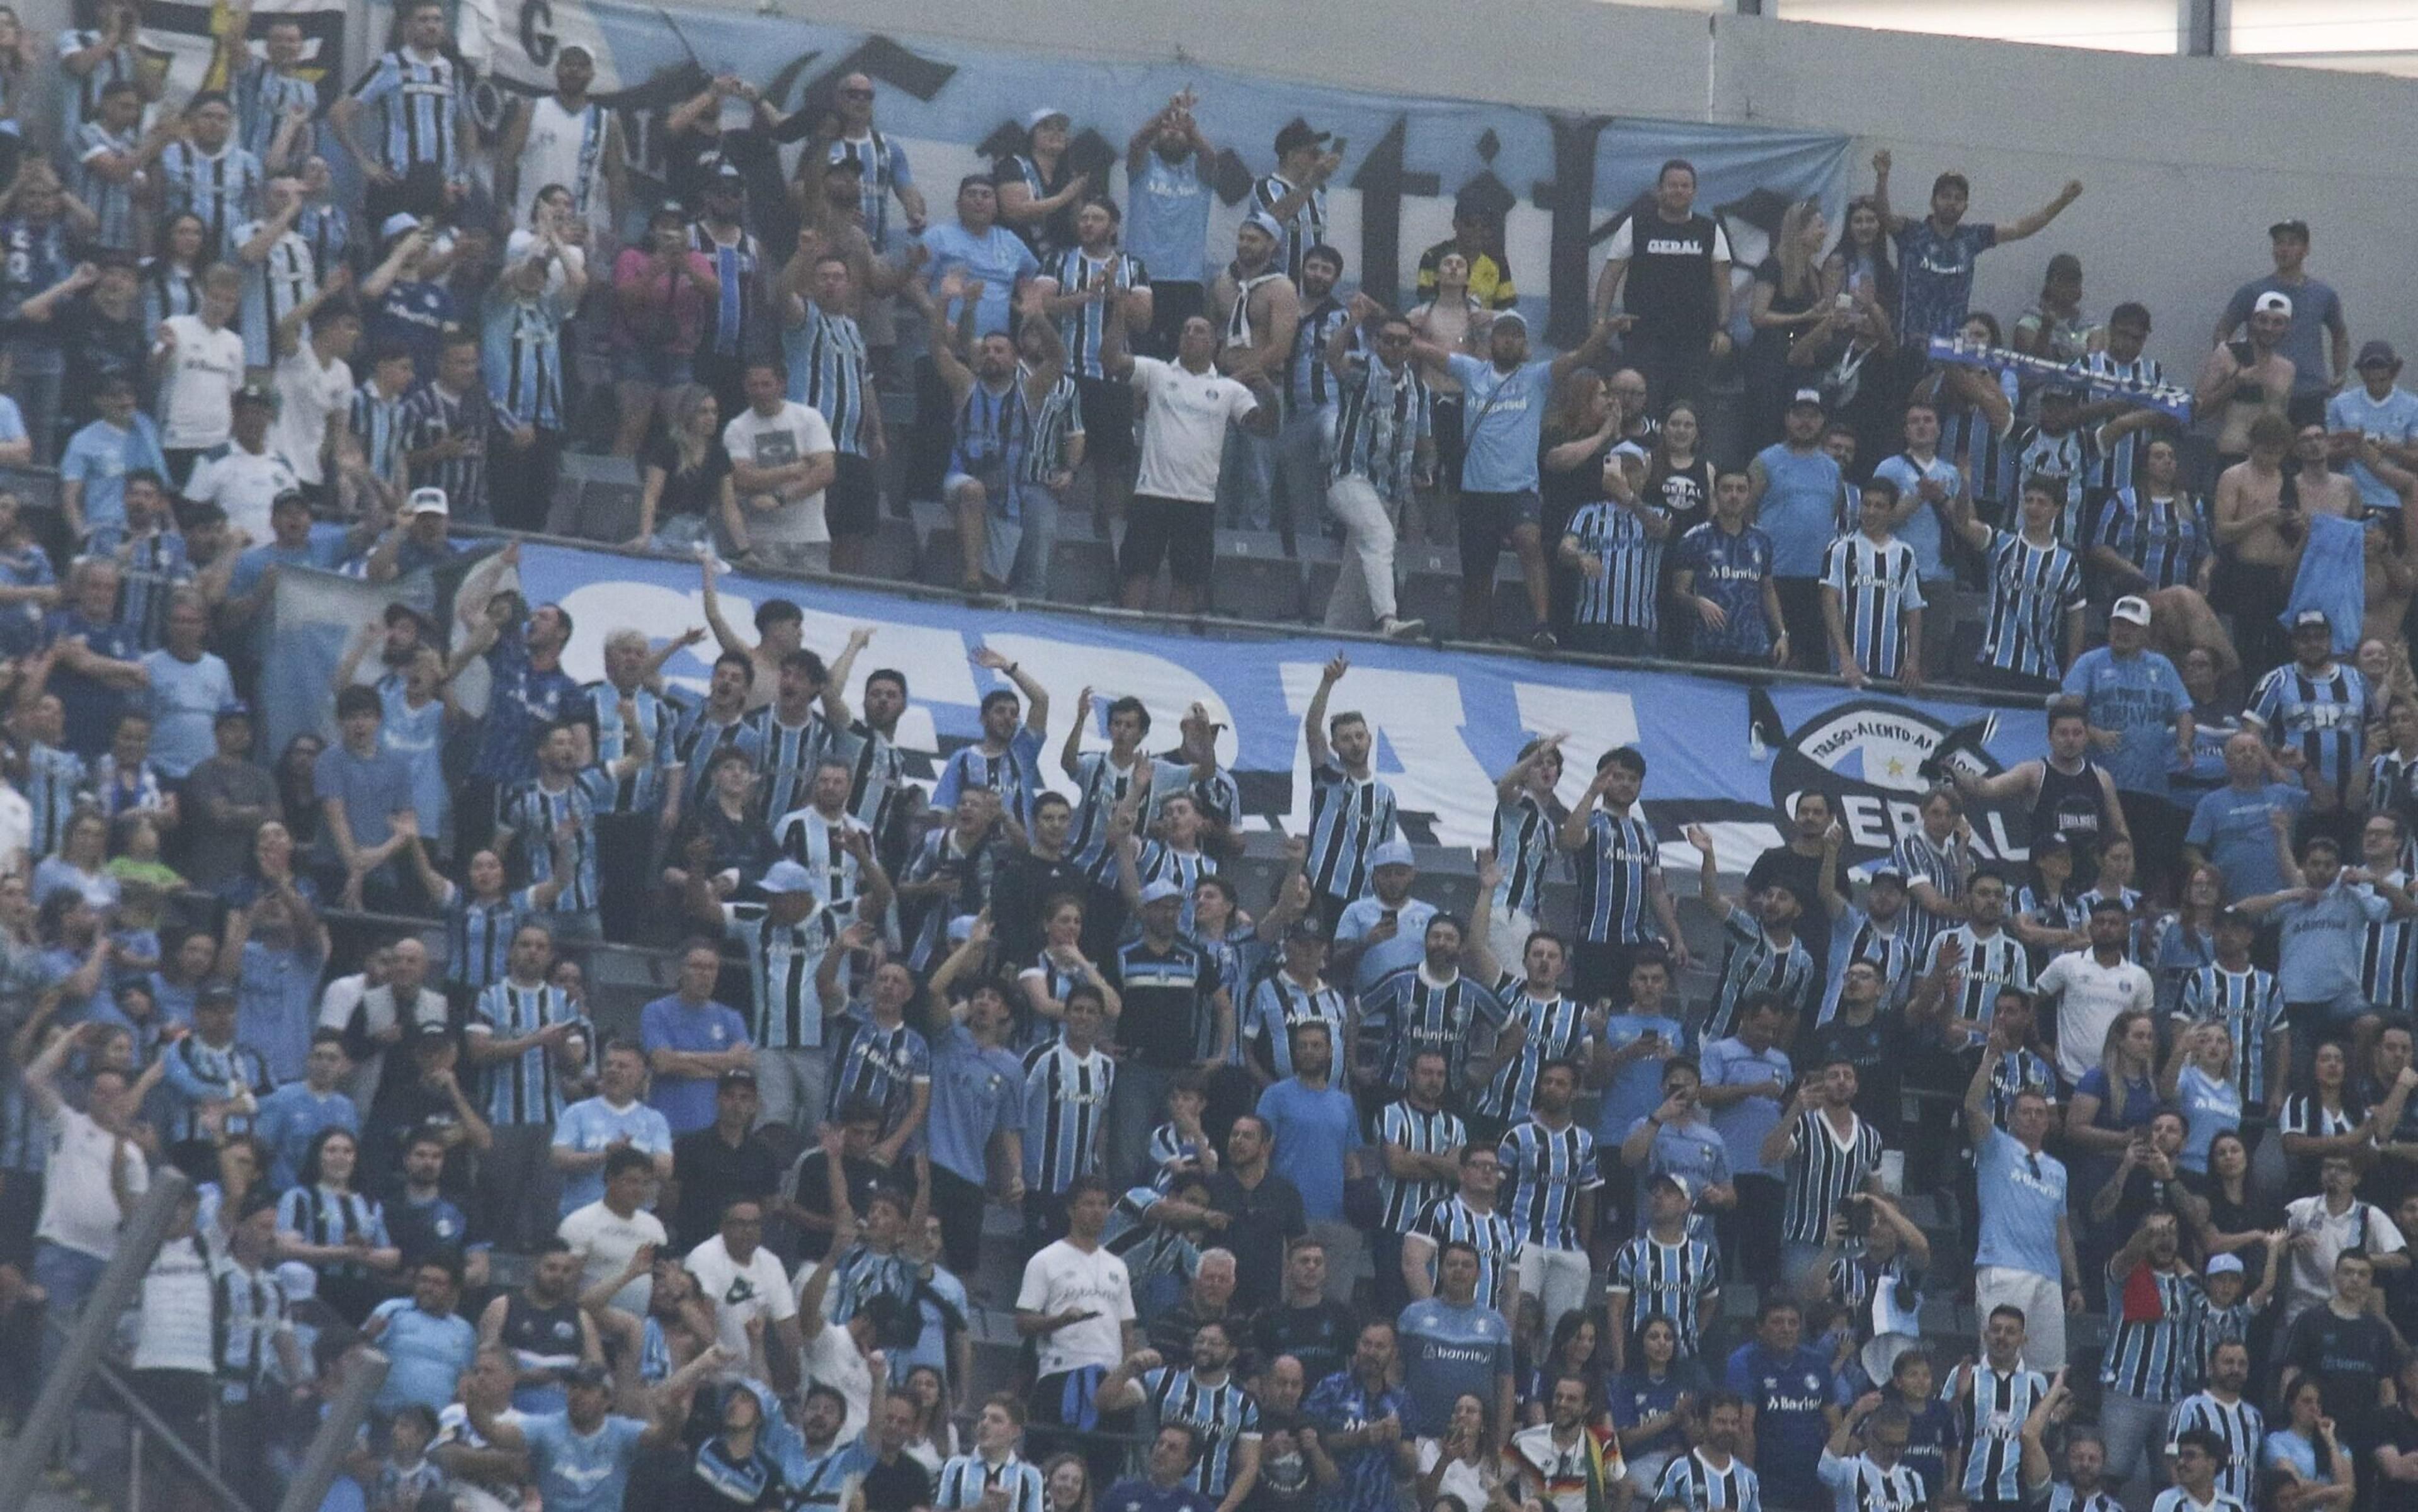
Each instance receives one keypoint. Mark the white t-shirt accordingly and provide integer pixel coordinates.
(516, 248)
(604, 1241)
(2360, 1226)
(1061, 1278)
(16, 827)
(172, 1328)
(1183, 428)
(2090, 996)
(739, 1291)
(307, 395)
(797, 433)
(245, 485)
(831, 1358)
(79, 1210)
(197, 389)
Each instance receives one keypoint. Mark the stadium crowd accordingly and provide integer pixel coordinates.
(1321, 1196)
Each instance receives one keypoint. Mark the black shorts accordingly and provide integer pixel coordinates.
(853, 503)
(1179, 531)
(1487, 521)
(1107, 410)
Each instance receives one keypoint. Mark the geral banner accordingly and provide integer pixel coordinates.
(1729, 755)
(1562, 181)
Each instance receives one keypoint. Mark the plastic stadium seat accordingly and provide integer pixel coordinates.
(1255, 580)
(894, 551)
(938, 567)
(1431, 596)
(608, 511)
(1317, 587)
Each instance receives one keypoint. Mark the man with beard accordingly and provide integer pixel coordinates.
(2220, 1409)
(1205, 1395)
(1257, 309)
(1091, 276)
(1564, 1465)
(1168, 166)
(2153, 1353)
(1309, 386)
(1357, 1414)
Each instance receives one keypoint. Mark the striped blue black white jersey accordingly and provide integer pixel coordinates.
(1381, 415)
(1066, 1114)
(1100, 785)
(830, 372)
(2324, 714)
(1944, 865)
(2388, 969)
(1221, 1415)
(431, 416)
(221, 187)
(2071, 456)
(1861, 1485)
(1349, 816)
(1421, 1132)
(781, 962)
(1753, 962)
(819, 845)
(738, 265)
(882, 167)
(1620, 863)
(478, 936)
(1991, 1423)
(1452, 1221)
(262, 95)
(2165, 538)
(520, 354)
(423, 106)
(1410, 1013)
(2117, 466)
(376, 420)
(1276, 1003)
(1544, 1171)
(641, 790)
(968, 1477)
(878, 1065)
(1147, 1248)
(112, 202)
(1676, 1281)
(524, 1090)
(2154, 1359)
(1557, 1030)
(1083, 327)
(1304, 229)
(2061, 1498)
(1626, 593)
(1309, 385)
(534, 811)
(2175, 1499)
(273, 288)
(1990, 963)
(1877, 586)
(81, 94)
(2251, 1010)
(2239, 1426)
(700, 734)
(1824, 1168)
(1523, 844)
(786, 756)
(2033, 588)
(1693, 1481)
(1014, 774)
(1057, 420)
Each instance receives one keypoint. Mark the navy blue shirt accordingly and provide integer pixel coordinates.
(1788, 1393)
(1135, 1494)
(92, 706)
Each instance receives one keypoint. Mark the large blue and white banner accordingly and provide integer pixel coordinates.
(1447, 724)
(1562, 181)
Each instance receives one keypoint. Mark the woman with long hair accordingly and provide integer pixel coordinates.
(683, 475)
(1461, 1461)
(1679, 475)
(935, 1438)
(81, 864)
(2306, 1467)
(2198, 1078)
(2239, 1219)
(1061, 966)
(2116, 1097)
(297, 793)
(171, 278)
(1860, 264)
(2327, 1120)
(337, 1231)
(270, 865)
(1573, 1352)
(663, 294)
(1651, 1402)
(1788, 297)
(2182, 941)
(1065, 1484)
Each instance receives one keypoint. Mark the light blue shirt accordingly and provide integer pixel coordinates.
(1314, 1130)
(1636, 1089)
(2319, 955)
(2210, 1106)
(2023, 1197)
(100, 455)
(429, 1354)
(183, 700)
(1799, 510)
(2139, 697)
(1922, 528)
(1379, 961)
(589, 1126)
(976, 1092)
(1502, 420)
(1167, 217)
(582, 1472)
(2393, 419)
(2231, 828)
(998, 257)
(1742, 1124)
(292, 1117)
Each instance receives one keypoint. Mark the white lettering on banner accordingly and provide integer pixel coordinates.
(1166, 688)
(1416, 717)
(1597, 722)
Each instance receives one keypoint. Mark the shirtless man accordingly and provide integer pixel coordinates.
(1256, 310)
(2249, 377)
(2259, 532)
(2392, 549)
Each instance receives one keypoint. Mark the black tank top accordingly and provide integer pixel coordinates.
(2077, 804)
(541, 1338)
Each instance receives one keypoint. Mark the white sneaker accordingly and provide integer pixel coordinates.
(1393, 628)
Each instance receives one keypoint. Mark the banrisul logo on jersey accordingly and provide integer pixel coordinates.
(1874, 759)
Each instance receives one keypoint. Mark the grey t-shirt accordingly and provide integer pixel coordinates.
(2316, 309)
(219, 850)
